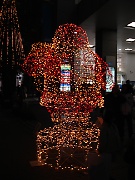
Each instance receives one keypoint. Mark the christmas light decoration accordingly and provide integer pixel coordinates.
(74, 77)
(11, 52)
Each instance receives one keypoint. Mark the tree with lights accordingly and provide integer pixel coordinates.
(12, 52)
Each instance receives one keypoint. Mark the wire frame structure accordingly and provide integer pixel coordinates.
(67, 144)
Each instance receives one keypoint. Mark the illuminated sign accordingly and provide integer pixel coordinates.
(65, 77)
(110, 80)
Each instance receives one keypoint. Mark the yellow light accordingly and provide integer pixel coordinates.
(55, 146)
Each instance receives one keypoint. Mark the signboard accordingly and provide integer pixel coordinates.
(110, 80)
(65, 77)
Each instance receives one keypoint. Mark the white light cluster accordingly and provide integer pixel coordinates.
(66, 145)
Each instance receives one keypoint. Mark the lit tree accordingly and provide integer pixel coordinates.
(12, 52)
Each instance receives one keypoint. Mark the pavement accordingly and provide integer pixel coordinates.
(19, 156)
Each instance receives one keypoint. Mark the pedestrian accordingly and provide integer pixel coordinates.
(110, 147)
(127, 111)
(114, 100)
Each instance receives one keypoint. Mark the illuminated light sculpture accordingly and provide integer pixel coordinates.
(74, 78)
